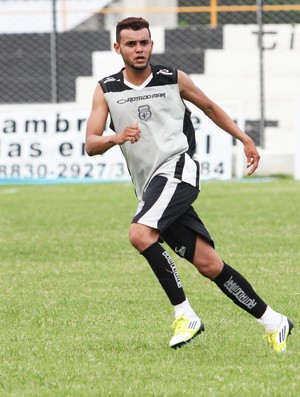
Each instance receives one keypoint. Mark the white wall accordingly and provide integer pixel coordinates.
(32, 16)
(139, 9)
(233, 73)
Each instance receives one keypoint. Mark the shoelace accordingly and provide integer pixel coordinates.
(270, 337)
(179, 324)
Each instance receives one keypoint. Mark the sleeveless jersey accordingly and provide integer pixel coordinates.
(167, 144)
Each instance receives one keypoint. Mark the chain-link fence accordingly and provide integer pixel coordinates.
(46, 45)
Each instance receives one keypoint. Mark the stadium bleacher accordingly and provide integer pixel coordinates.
(29, 80)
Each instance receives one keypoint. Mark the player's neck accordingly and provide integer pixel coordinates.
(137, 77)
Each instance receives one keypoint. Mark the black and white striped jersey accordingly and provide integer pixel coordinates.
(167, 145)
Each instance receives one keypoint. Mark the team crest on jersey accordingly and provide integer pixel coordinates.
(144, 112)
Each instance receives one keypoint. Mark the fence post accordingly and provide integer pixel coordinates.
(213, 13)
(53, 54)
(261, 72)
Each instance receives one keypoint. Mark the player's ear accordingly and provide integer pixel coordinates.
(117, 48)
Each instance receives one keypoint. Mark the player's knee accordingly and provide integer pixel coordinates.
(209, 267)
(141, 236)
(206, 260)
(135, 236)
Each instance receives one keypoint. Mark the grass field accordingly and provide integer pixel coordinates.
(82, 314)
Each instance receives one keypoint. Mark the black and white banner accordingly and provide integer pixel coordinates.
(46, 142)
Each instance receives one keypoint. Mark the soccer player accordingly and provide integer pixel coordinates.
(153, 128)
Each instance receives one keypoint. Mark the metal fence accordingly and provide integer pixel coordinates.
(45, 45)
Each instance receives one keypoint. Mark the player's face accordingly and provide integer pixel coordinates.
(135, 47)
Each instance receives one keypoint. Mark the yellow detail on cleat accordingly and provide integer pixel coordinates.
(186, 328)
(277, 340)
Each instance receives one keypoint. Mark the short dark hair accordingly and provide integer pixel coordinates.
(131, 23)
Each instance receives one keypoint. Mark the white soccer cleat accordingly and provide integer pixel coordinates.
(186, 328)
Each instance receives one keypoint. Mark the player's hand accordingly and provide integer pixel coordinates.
(252, 156)
(131, 133)
(135, 132)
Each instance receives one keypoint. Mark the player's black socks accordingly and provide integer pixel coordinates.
(165, 270)
(240, 291)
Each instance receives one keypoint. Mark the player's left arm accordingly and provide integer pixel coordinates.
(190, 92)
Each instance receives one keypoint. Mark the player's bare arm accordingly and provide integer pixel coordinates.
(95, 142)
(190, 92)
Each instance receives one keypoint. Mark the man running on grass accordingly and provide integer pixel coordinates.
(154, 131)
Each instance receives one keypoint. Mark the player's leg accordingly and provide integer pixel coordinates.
(240, 291)
(191, 240)
(187, 324)
(145, 240)
(152, 215)
(164, 201)
(232, 283)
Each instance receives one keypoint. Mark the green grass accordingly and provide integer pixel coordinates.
(81, 314)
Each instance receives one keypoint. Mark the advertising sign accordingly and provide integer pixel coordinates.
(46, 142)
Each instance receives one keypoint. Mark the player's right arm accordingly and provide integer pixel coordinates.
(95, 142)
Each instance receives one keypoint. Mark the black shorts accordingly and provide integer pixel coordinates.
(167, 206)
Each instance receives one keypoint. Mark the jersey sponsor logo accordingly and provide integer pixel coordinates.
(180, 251)
(108, 79)
(144, 112)
(165, 72)
(141, 98)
